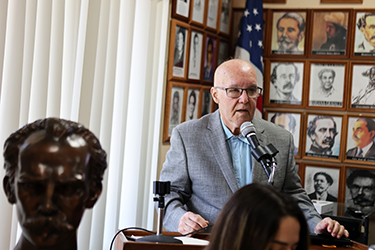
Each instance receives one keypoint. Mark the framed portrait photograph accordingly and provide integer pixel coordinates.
(222, 51)
(206, 102)
(212, 14)
(327, 84)
(363, 86)
(181, 9)
(225, 15)
(209, 58)
(178, 49)
(288, 32)
(360, 139)
(359, 191)
(286, 82)
(192, 104)
(323, 136)
(174, 108)
(329, 32)
(364, 41)
(197, 15)
(322, 183)
(289, 121)
(195, 55)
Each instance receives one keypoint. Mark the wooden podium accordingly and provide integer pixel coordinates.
(122, 244)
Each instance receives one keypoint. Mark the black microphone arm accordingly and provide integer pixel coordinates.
(263, 154)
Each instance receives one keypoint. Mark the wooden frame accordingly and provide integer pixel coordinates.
(341, 1)
(336, 46)
(209, 59)
(288, 25)
(363, 21)
(181, 9)
(197, 12)
(174, 114)
(354, 172)
(178, 67)
(206, 103)
(276, 71)
(222, 51)
(195, 54)
(224, 17)
(329, 153)
(333, 171)
(361, 88)
(274, 1)
(212, 14)
(295, 125)
(326, 84)
(362, 133)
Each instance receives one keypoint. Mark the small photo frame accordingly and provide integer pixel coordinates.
(209, 58)
(174, 108)
(359, 191)
(225, 16)
(195, 55)
(360, 142)
(178, 52)
(322, 183)
(206, 102)
(212, 14)
(198, 7)
(291, 122)
(192, 104)
(327, 84)
(288, 32)
(181, 9)
(222, 52)
(286, 82)
(364, 42)
(329, 32)
(323, 136)
(363, 86)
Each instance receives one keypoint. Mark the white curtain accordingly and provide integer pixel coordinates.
(100, 63)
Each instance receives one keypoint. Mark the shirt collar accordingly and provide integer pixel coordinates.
(229, 135)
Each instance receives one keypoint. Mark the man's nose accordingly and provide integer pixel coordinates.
(244, 97)
(48, 205)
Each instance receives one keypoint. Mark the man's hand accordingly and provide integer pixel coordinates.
(332, 227)
(190, 222)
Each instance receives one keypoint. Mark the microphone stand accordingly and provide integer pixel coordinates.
(265, 155)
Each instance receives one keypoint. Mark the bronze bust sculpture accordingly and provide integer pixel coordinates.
(54, 171)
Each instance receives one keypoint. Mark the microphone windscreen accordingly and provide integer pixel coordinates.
(246, 128)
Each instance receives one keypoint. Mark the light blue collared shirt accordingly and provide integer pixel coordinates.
(240, 154)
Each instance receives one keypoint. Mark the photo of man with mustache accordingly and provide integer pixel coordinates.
(322, 131)
(322, 182)
(284, 78)
(360, 194)
(290, 33)
(363, 133)
(366, 26)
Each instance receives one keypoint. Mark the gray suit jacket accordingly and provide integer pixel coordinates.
(201, 173)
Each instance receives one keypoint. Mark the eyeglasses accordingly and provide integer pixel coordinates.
(252, 92)
(356, 188)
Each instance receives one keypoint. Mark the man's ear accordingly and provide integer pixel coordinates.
(95, 192)
(214, 95)
(9, 190)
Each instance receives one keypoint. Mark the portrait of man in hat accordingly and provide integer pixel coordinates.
(330, 31)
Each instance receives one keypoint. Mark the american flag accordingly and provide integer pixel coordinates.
(249, 45)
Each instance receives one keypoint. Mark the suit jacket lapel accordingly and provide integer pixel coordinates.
(216, 139)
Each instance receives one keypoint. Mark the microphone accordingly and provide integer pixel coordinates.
(263, 154)
(248, 131)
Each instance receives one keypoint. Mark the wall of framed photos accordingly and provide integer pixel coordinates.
(320, 79)
(199, 41)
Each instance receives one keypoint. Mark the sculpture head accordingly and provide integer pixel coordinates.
(54, 171)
